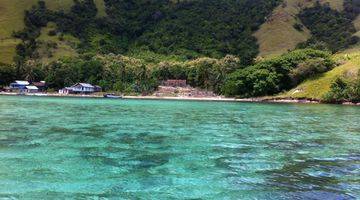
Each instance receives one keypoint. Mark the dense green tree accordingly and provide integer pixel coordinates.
(351, 8)
(339, 92)
(343, 90)
(209, 28)
(79, 20)
(191, 29)
(309, 68)
(62, 73)
(32, 71)
(7, 74)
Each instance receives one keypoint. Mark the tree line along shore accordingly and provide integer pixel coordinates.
(226, 76)
(137, 46)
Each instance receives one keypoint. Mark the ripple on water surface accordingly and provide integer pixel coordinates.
(91, 148)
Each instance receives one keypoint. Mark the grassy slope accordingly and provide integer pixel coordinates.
(316, 87)
(278, 35)
(65, 47)
(11, 19)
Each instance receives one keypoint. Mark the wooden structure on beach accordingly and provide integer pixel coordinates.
(174, 83)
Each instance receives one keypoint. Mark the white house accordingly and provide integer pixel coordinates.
(83, 88)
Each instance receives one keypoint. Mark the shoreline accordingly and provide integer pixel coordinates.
(213, 99)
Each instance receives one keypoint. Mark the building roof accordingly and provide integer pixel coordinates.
(31, 87)
(39, 84)
(22, 82)
(88, 85)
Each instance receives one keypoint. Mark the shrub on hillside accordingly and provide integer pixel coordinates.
(299, 27)
(342, 90)
(310, 68)
(278, 74)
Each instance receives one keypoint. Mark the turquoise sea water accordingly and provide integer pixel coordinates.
(58, 148)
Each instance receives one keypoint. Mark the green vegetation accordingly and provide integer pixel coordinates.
(342, 90)
(52, 47)
(131, 46)
(278, 74)
(212, 28)
(184, 28)
(331, 29)
(351, 8)
(7, 74)
(276, 36)
(12, 19)
(316, 87)
(279, 34)
(122, 73)
(12, 14)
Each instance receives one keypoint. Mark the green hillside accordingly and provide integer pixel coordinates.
(12, 19)
(318, 86)
(238, 48)
(278, 35)
(189, 29)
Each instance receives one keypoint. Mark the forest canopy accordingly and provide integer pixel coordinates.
(192, 29)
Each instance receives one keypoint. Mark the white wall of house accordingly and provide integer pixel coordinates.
(83, 89)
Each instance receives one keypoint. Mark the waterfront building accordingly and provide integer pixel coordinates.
(97, 88)
(80, 88)
(83, 88)
(19, 86)
(32, 89)
(40, 85)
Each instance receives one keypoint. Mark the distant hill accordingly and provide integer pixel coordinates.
(184, 28)
(249, 38)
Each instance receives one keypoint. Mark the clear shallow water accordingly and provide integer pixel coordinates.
(56, 148)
